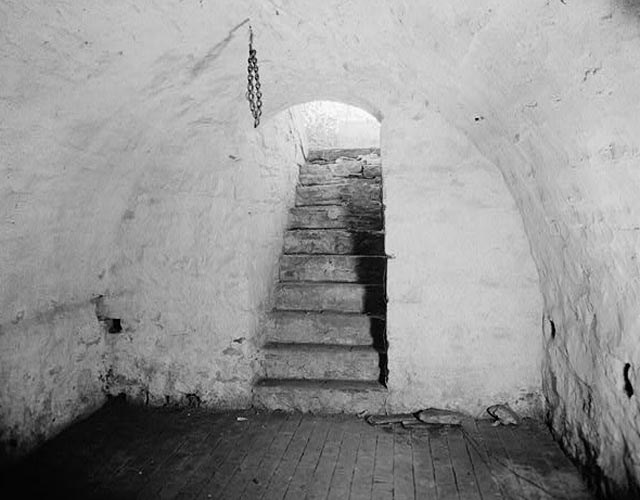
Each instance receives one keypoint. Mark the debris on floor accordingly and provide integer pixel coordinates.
(503, 415)
(437, 416)
(292, 455)
(389, 419)
(428, 416)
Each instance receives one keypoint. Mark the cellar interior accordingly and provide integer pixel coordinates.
(143, 214)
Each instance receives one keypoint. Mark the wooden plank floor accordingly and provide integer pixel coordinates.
(124, 452)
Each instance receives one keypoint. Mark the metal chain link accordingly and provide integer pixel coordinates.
(253, 95)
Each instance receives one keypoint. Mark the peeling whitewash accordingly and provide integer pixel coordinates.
(130, 170)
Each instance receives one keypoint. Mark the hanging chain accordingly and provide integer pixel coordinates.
(253, 95)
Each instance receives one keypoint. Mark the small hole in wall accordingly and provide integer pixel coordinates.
(628, 388)
(113, 325)
(549, 327)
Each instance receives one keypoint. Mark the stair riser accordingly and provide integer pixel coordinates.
(331, 155)
(337, 268)
(359, 193)
(324, 179)
(319, 328)
(360, 299)
(344, 167)
(319, 400)
(328, 241)
(333, 365)
(332, 217)
(344, 170)
(327, 176)
(372, 171)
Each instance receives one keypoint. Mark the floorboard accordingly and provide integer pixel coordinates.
(124, 452)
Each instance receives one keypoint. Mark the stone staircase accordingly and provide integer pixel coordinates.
(325, 345)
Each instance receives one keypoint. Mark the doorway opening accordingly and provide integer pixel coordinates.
(326, 347)
(333, 125)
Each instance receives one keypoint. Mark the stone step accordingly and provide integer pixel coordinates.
(337, 173)
(336, 268)
(344, 168)
(320, 396)
(336, 217)
(324, 328)
(331, 155)
(333, 241)
(344, 297)
(359, 192)
(321, 361)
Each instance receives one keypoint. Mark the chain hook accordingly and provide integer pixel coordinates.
(253, 94)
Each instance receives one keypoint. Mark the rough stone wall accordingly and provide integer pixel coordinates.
(565, 134)
(131, 172)
(210, 263)
(102, 99)
(52, 369)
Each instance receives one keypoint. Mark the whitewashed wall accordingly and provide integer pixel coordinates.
(464, 305)
(330, 124)
(106, 108)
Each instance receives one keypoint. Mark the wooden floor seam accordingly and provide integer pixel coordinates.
(125, 451)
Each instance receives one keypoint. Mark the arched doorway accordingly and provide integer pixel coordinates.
(325, 344)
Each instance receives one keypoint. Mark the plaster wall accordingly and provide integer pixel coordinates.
(331, 125)
(129, 174)
(464, 300)
(51, 372)
(105, 106)
(197, 297)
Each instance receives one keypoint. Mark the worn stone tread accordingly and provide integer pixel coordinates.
(333, 241)
(333, 268)
(357, 191)
(332, 154)
(320, 395)
(318, 348)
(344, 385)
(322, 296)
(316, 361)
(325, 327)
(331, 174)
(336, 217)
